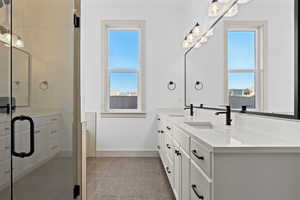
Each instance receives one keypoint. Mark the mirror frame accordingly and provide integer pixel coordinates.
(29, 78)
(296, 80)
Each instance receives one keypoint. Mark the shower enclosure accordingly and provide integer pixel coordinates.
(36, 100)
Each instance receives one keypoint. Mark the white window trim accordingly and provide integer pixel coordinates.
(260, 27)
(122, 25)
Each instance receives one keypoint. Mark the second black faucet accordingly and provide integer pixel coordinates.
(228, 115)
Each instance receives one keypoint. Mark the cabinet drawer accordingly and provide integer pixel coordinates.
(201, 156)
(200, 184)
(183, 139)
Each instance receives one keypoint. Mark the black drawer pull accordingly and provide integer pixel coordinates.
(194, 187)
(168, 128)
(169, 172)
(177, 153)
(197, 156)
(158, 147)
(168, 146)
(161, 131)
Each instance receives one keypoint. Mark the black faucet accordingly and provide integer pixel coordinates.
(228, 115)
(191, 109)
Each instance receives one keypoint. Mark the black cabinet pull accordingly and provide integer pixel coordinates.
(158, 147)
(161, 131)
(194, 187)
(169, 172)
(168, 146)
(168, 128)
(177, 153)
(158, 119)
(13, 149)
(197, 156)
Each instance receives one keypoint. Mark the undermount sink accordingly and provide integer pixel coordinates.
(176, 115)
(200, 125)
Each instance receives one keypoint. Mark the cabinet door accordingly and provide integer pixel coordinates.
(185, 175)
(177, 171)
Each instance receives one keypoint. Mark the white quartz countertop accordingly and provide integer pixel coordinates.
(33, 114)
(222, 138)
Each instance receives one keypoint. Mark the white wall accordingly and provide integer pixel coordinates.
(207, 63)
(164, 57)
(166, 24)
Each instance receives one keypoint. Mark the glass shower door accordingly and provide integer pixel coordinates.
(5, 101)
(41, 123)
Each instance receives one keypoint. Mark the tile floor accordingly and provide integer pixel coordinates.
(127, 179)
(52, 181)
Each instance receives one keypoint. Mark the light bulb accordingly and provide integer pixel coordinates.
(203, 40)
(233, 11)
(214, 9)
(197, 31)
(198, 45)
(19, 43)
(185, 44)
(190, 37)
(7, 37)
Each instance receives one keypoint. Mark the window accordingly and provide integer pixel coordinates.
(123, 66)
(244, 65)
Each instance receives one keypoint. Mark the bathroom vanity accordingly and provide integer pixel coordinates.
(210, 161)
(47, 145)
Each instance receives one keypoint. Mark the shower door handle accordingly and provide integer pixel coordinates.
(13, 136)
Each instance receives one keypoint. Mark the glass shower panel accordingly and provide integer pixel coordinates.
(41, 126)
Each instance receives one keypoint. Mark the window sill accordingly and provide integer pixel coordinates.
(123, 115)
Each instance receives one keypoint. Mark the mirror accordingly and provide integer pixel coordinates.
(20, 75)
(249, 61)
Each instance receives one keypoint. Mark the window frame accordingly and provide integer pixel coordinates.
(260, 71)
(134, 25)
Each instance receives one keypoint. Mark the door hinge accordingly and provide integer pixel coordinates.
(76, 191)
(76, 21)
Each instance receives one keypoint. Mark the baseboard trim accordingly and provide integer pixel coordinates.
(126, 154)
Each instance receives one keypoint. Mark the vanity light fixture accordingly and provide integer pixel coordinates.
(218, 8)
(6, 37)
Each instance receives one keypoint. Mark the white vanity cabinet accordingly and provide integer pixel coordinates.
(175, 158)
(200, 170)
(47, 145)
